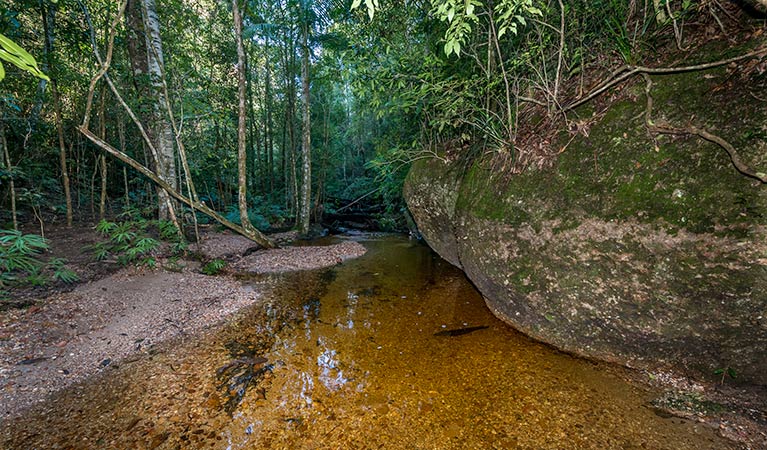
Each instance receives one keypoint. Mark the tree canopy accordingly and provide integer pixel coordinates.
(337, 98)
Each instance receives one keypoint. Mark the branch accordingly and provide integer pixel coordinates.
(359, 199)
(255, 235)
(701, 133)
(628, 71)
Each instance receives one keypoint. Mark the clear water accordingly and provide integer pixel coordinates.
(347, 358)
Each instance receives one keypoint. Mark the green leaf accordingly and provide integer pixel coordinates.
(2, 72)
(11, 52)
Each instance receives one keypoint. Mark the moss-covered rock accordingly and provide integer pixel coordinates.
(432, 192)
(648, 251)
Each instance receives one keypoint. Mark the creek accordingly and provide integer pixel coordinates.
(393, 350)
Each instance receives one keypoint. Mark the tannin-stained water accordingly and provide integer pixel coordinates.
(394, 350)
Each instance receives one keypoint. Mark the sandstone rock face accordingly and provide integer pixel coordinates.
(647, 252)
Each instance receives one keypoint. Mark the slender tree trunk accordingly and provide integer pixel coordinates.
(306, 141)
(242, 172)
(121, 136)
(660, 13)
(268, 137)
(9, 167)
(49, 17)
(62, 152)
(76, 172)
(252, 160)
(102, 159)
(103, 198)
(96, 161)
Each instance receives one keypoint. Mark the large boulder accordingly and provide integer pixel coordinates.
(646, 251)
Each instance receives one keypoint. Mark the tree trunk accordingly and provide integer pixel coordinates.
(62, 152)
(160, 128)
(660, 13)
(242, 174)
(306, 141)
(121, 135)
(11, 184)
(253, 234)
(146, 54)
(268, 137)
(252, 139)
(103, 198)
(102, 161)
(49, 17)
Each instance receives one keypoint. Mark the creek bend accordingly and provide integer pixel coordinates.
(393, 350)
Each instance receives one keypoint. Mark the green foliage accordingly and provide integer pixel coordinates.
(726, 372)
(20, 258)
(385, 92)
(510, 15)
(460, 17)
(12, 53)
(214, 267)
(263, 214)
(173, 264)
(129, 241)
(60, 272)
(168, 230)
(20, 252)
(371, 5)
(21, 263)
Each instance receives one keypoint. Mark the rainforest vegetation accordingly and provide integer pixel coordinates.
(594, 168)
(273, 115)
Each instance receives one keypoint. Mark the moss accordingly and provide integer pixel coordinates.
(619, 286)
(618, 172)
(686, 403)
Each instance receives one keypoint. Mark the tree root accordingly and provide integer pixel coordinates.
(701, 133)
(626, 72)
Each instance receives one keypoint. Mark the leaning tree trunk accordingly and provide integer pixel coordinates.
(306, 142)
(242, 173)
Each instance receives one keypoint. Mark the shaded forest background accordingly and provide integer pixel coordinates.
(386, 84)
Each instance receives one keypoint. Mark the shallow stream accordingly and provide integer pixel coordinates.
(394, 350)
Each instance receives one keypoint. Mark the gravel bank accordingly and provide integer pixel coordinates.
(70, 336)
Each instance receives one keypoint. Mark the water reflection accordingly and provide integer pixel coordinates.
(331, 376)
(348, 358)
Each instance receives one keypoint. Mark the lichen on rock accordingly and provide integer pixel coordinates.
(650, 251)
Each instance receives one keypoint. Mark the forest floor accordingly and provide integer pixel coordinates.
(64, 334)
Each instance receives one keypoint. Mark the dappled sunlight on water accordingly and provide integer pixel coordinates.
(394, 350)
